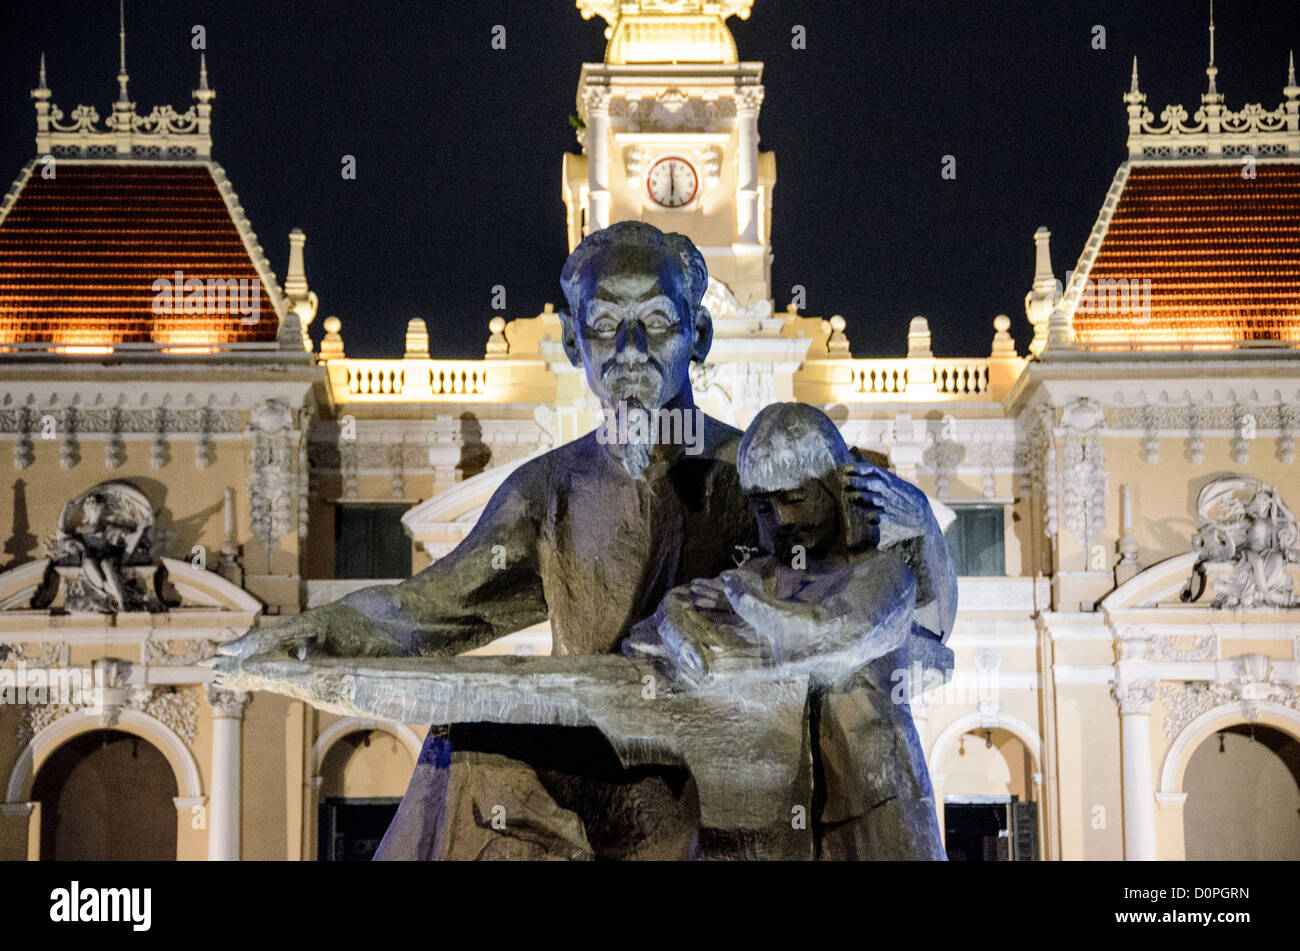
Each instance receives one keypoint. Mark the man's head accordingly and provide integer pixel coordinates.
(635, 320)
(789, 461)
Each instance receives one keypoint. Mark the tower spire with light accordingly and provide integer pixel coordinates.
(122, 77)
(1212, 94)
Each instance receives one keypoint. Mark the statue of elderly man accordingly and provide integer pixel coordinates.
(595, 534)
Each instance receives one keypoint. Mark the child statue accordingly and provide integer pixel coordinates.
(826, 598)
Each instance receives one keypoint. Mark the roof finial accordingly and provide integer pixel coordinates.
(1212, 70)
(1133, 86)
(1290, 68)
(41, 83)
(1291, 90)
(203, 72)
(121, 43)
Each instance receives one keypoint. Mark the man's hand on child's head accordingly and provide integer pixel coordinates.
(899, 508)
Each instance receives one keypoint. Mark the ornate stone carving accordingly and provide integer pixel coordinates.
(203, 448)
(1243, 421)
(749, 98)
(270, 478)
(1195, 451)
(122, 420)
(1133, 697)
(1041, 451)
(711, 164)
(1150, 436)
(114, 448)
(1254, 680)
(1085, 480)
(635, 160)
(1288, 423)
(229, 704)
(174, 707)
(160, 451)
(24, 453)
(1245, 523)
(70, 448)
(45, 654)
(1189, 647)
(177, 653)
(103, 550)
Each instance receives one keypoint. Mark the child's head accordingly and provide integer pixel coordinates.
(789, 462)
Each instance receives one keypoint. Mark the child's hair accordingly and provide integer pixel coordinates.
(786, 444)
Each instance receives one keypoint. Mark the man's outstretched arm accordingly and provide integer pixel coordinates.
(487, 587)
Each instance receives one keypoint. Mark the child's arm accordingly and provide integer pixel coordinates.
(870, 615)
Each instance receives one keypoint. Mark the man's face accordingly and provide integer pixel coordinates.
(634, 331)
(808, 516)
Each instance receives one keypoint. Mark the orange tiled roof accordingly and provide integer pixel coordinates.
(1221, 252)
(79, 254)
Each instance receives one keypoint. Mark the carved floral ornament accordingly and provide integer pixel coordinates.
(1255, 680)
(1084, 479)
(112, 693)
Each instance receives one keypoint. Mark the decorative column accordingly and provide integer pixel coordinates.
(1134, 701)
(598, 197)
(748, 101)
(223, 817)
(1128, 566)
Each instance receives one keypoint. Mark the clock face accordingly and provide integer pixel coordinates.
(672, 182)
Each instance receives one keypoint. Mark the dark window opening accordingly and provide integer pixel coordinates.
(351, 829)
(369, 542)
(991, 831)
(976, 541)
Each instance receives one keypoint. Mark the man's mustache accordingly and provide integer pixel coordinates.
(621, 373)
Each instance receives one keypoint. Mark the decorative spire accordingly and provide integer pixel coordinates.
(1212, 94)
(205, 93)
(121, 45)
(1291, 90)
(41, 82)
(1134, 95)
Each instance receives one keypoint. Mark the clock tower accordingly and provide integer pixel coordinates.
(669, 135)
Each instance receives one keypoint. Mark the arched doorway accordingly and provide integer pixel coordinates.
(988, 810)
(106, 795)
(1243, 795)
(363, 775)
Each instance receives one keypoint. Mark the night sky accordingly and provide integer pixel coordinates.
(458, 146)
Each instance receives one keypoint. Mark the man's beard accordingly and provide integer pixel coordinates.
(631, 391)
(637, 423)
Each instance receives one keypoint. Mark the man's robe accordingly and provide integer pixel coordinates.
(573, 537)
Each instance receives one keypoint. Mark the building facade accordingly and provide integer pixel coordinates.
(186, 464)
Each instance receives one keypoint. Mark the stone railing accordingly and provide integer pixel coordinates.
(925, 378)
(406, 380)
